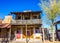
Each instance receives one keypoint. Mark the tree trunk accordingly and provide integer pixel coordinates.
(53, 37)
(43, 35)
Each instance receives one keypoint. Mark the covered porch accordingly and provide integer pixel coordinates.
(23, 32)
(5, 33)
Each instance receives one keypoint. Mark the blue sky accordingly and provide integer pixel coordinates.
(7, 6)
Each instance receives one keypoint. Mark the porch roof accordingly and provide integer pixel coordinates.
(58, 22)
(5, 25)
(26, 12)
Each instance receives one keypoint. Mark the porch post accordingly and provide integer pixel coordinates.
(21, 32)
(43, 34)
(34, 32)
(9, 34)
(26, 33)
(40, 29)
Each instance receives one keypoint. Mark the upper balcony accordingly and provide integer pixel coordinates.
(28, 22)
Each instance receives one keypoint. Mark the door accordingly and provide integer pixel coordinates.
(4, 33)
(28, 33)
(18, 34)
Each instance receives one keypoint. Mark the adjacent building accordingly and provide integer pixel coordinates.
(57, 30)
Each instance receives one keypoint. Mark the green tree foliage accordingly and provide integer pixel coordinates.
(52, 10)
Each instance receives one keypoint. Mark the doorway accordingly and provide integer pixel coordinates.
(18, 34)
(28, 33)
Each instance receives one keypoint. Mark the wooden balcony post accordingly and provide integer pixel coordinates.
(21, 16)
(31, 16)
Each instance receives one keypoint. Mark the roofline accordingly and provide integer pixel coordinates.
(58, 22)
(27, 12)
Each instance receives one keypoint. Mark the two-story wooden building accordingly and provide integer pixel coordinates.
(23, 25)
(26, 25)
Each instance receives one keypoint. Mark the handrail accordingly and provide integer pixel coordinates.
(32, 21)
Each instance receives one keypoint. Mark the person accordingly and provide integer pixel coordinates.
(18, 35)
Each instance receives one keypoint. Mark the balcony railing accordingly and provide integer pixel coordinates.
(22, 22)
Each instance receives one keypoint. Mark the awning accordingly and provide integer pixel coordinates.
(5, 25)
(58, 22)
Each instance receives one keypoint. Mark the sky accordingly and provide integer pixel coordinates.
(7, 6)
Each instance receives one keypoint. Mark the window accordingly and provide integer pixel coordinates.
(27, 18)
(34, 17)
(19, 17)
(37, 30)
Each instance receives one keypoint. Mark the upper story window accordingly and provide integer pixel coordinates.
(27, 18)
(19, 17)
(34, 17)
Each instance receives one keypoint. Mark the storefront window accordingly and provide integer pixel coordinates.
(37, 30)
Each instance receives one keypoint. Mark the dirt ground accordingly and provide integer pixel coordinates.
(38, 42)
(51, 42)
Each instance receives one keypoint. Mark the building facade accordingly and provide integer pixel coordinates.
(22, 26)
(26, 25)
(5, 28)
